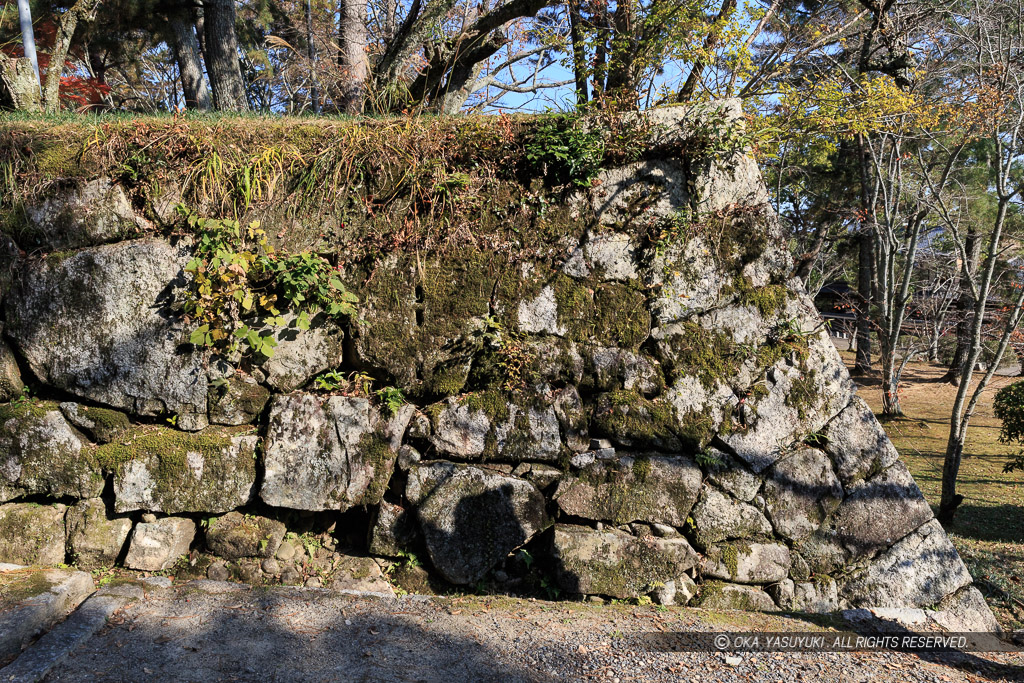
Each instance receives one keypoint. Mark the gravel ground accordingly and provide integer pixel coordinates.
(221, 632)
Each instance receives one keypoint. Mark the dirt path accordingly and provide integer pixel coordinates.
(222, 632)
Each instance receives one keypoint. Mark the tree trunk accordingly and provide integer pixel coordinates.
(621, 85)
(19, 87)
(710, 42)
(81, 11)
(28, 37)
(186, 52)
(865, 266)
(314, 90)
(352, 55)
(579, 54)
(890, 382)
(964, 307)
(933, 342)
(222, 56)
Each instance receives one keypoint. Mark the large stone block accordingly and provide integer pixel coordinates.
(494, 426)
(164, 470)
(83, 215)
(235, 535)
(803, 395)
(40, 454)
(719, 595)
(329, 454)
(801, 491)
(965, 610)
(98, 324)
(95, 541)
(747, 562)
(155, 546)
(919, 571)
(857, 443)
(32, 602)
(640, 488)
(32, 534)
(473, 519)
(300, 355)
(718, 517)
(880, 511)
(617, 564)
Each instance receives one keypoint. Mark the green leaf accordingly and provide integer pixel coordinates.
(198, 336)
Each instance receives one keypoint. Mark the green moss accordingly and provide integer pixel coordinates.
(621, 316)
(575, 303)
(169, 445)
(58, 160)
(633, 419)
(16, 587)
(447, 380)
(705, 354)
(110, 420)
(803, 393)
(492, 403)
(769, 300)
(641, 469)
(730, 557)
(375, 450)
(31, 408)
(696, 429)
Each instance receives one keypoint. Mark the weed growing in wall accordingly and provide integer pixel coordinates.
(239, 281)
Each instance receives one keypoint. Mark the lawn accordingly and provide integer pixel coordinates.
(989, 527)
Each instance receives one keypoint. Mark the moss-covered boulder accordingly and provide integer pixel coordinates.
(475, 518)
(165, 470)
(640, 488)
(237, 535)
(417, 317)
(41, 454)
(721, 595)
(93, 212)
(718, 517)
(98, 323)
(237, 401)
(496, 425)
(632, 421)
(95, 541)
(329, 454)
(617, 564)
(102, 425)
(747, 562)
(32, 533)
(804, 391)
(11, 385)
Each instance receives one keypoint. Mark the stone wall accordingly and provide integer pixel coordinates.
(634, 401)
